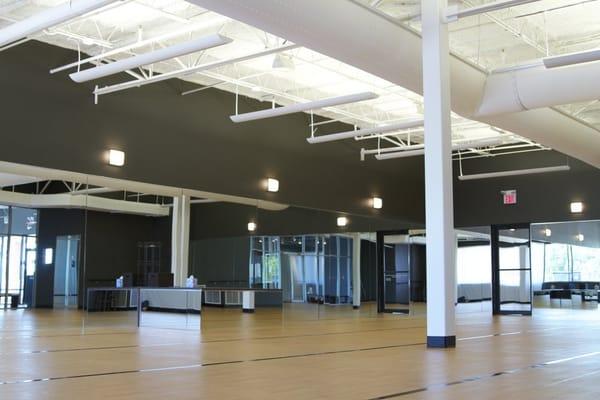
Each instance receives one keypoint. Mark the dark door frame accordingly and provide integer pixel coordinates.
(380, 278)
(494, 240)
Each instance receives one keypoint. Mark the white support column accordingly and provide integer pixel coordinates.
(439, 219)
(180, 239)
(185, 240)
(175, 239)
(356, 282)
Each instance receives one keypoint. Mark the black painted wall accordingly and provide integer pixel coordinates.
(189, 141)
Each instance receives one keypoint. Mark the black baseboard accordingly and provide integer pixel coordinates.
(441, 342)
(355, 307)
(248, 310)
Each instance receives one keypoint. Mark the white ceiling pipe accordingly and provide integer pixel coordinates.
(299, 107)
(538, 87)
(485, 8)
(368, 131)
(354, 22)
(514, 173)
(152, 57)
(49, 18)
(571, 58)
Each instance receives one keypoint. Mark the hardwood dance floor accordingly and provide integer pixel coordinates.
(46, 355)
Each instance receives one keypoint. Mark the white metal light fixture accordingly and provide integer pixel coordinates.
(364, 132)
(251, 226)
(580, 237)
(548, 232)
(377, 202)
(116, 157)
(515, 172)
(272, 185)
(152, 57)
(49, 18)
(576, 207)
(572, 58)
(299, 107)
(342, 221)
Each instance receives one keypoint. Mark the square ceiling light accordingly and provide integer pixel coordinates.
(342, 221)
(272, 185)
(377, 203)
(548, 232)
(116, 157)
(576, 207)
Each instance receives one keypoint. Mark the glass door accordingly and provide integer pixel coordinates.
(393, 263)
(511, 269)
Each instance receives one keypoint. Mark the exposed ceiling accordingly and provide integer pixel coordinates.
(129, 27)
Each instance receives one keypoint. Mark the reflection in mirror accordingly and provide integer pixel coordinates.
(127, 247)
(473, 270)
(565, 264)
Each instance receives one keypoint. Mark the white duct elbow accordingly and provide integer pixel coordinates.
(537, 87)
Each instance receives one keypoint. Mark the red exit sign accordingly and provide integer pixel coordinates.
(509, 196)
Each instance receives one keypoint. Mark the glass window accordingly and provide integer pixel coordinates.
(473, 265)
(586, 263)
(557, 263)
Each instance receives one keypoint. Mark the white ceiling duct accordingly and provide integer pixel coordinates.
(382, 46)
(530, 88)
(49, 18)
(152, 57)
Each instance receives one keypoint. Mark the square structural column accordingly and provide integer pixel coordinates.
(248, 301)
(439, 217)
(180, 239)
(356, 282)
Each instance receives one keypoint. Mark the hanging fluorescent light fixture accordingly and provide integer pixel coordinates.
(49, 18)
(152, 57)
(485, 8)
(300, 107)
(515, 172)
(564, 60)
(414, 123)
(419, 150)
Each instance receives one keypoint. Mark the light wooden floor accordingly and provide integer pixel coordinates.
(46, 355)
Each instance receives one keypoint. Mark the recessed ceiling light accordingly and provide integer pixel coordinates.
(272, 185)
(342, 221)
(116, 157)
(576, 207)
(377, 202)
(251, 226)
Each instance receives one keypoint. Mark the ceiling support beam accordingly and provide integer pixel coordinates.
(49, 18)
(300, 107)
